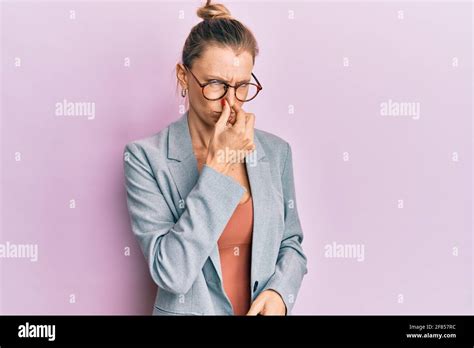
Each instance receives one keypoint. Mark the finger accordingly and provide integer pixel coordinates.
(248, 150)
(239, 116)
(249, 146)
(256, 308)
(222, 121)
(249, 126)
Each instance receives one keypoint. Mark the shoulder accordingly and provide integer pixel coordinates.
(152, 146)
(276, 148)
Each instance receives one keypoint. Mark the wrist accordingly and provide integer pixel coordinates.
(221, 167)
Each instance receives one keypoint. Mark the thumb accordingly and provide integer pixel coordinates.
(222, 121)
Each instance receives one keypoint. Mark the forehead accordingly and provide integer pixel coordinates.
(224, 62)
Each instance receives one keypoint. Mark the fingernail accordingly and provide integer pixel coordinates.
(223, 102)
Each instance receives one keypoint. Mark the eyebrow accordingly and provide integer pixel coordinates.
(212, 78)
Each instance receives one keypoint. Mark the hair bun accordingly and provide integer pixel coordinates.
(213, 11)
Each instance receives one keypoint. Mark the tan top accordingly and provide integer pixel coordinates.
(235, 250)
(235, 245)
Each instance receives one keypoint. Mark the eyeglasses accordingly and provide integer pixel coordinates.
(215, 89)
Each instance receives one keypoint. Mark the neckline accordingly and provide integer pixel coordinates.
(248, 200)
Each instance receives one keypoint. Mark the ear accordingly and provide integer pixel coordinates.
(181, 75)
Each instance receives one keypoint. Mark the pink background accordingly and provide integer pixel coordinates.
(408, 251)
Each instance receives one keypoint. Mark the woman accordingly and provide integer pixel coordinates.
(211, 199)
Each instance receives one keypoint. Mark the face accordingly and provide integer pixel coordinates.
(216, 63)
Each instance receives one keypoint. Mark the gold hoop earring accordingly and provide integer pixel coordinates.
(183, 92)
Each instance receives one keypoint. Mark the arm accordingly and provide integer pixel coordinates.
(176, 251)
(291, 263)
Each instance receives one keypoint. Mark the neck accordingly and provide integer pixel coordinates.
(200, 132)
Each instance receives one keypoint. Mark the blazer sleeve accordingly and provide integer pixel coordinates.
(291, 263)
(176, 251)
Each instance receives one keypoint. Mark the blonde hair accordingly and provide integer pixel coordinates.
(218, 28)
(209, 11)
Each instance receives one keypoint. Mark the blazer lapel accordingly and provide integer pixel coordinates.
(258, 171)
(184, 170)
(184, 165)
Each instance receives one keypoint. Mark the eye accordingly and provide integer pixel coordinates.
(216, 82)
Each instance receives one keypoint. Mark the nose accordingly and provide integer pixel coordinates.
(230, 97)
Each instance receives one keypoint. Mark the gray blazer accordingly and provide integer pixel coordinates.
(177, 215)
